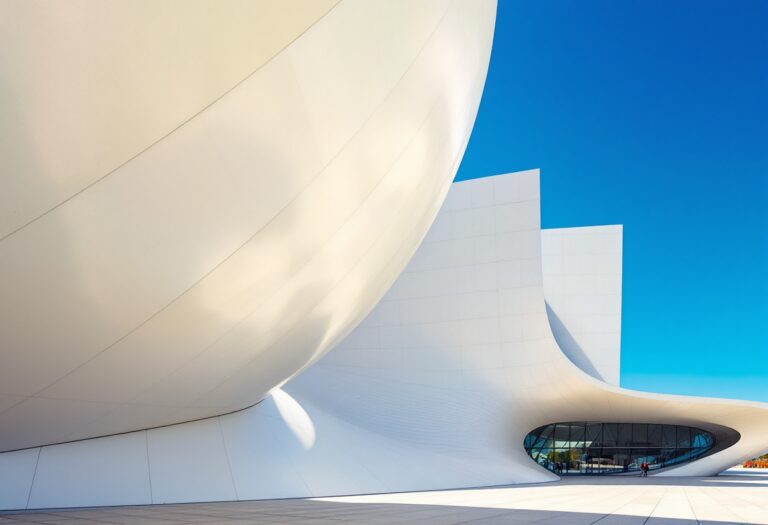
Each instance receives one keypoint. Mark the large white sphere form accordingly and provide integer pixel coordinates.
(198, 198)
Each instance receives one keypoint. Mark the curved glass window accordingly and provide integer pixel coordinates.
(609, 448)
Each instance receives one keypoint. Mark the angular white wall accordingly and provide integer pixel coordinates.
(89, 85)
(582, 287)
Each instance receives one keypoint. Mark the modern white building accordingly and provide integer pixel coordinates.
(171, 287)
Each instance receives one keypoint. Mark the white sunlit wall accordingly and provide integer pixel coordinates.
(582, 270)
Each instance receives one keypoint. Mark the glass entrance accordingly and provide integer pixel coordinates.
(610, 448)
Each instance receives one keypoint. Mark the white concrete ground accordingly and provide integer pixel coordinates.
(738, 496)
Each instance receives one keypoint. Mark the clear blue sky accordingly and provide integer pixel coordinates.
(652, 114)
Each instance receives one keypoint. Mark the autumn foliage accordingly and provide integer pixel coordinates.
(761, 462)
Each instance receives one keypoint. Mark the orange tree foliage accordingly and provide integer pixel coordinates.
(761, 462)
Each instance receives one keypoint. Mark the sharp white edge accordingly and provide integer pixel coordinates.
(582, 270)
(436, 388)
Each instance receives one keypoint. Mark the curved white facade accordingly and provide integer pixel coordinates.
(435, 389)
(198, 199)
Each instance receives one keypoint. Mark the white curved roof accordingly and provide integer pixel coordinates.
(201, 197)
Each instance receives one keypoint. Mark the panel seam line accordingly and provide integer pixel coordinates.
(34, 475)
(172, 131)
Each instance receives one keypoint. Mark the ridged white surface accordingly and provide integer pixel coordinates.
(435, 389)
(232, 250)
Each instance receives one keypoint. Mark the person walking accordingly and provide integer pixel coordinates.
(644, 468)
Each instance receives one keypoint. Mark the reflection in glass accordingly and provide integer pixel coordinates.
(683, 437)
(625, 435)
(607, 448)
(577, 435)
(562, 435)
(639, 434)
(593, 433)
(654, 433)
(668, 437)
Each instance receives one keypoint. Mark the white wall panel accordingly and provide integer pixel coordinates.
(17, 470)
(189, 463)
(261, 444)
(112, 471)
(582, 269)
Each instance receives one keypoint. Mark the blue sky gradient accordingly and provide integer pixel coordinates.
(653, 115)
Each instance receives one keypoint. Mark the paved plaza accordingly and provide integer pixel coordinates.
(738, 496)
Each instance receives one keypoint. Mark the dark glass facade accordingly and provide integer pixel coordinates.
(609, 448)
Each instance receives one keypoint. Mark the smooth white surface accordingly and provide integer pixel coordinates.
(16, 472)
(260, 444)
(435, 389)
(189, 463)
(581, 269)
(93, 472)
(235, 251)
